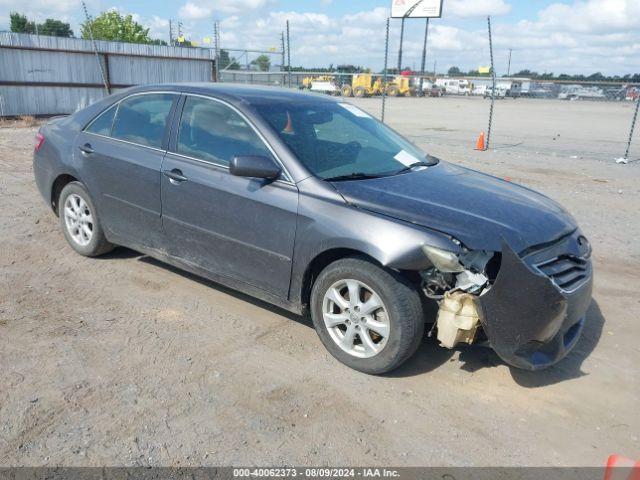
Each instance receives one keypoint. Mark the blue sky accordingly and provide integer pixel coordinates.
(560, 36)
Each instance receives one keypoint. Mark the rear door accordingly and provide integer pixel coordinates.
(120, 155)
(241, 228)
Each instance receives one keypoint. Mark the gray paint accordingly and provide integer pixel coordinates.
(262, 237)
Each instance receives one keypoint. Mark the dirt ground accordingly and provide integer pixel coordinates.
(125, 361)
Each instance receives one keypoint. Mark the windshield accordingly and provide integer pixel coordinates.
(336, 140)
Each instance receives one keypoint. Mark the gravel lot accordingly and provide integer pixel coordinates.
(125, 361)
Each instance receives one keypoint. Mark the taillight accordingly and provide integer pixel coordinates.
(39, 141)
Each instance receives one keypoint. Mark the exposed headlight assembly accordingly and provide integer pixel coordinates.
(444, 261)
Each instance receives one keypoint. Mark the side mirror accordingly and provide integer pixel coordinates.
(254, 166)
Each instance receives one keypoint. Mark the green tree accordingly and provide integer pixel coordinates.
(454, 72)
(20, 23)
(526, 74)
(55, 28)
(263, 62)
(227, 62)
(111, 25)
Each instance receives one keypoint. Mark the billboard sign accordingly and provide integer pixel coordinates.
(416, 8)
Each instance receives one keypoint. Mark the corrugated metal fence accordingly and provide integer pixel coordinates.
(51, 75)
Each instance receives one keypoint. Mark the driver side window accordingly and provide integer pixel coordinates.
(212, 131)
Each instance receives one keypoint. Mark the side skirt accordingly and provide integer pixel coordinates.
(242, 287)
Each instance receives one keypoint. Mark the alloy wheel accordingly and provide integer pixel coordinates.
(356, 318)
(78, 219)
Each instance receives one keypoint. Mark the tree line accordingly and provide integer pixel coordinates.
(113, 26)
(109, 25)
(594, 77)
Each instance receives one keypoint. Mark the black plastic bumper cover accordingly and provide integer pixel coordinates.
(529, 321)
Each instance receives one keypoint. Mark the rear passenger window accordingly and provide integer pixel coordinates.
(142, 119)
(212, 131)
(102, 124)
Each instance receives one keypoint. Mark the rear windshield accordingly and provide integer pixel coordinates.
(336, 139)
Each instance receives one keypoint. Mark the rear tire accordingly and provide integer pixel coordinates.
(359, 92)
(80, 223)
(346, 91)
(393, 329)
(393, 91)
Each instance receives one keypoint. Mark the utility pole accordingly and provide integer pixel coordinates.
(384, 72)
(216, 46)
(424, 56)
(509, 65)
(289, 53)
(400, 49)
(170, 32)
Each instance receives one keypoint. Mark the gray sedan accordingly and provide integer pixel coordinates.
(311, 204)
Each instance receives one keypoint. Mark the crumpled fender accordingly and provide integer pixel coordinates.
(531, 323)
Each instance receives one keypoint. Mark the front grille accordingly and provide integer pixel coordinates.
(566, 271)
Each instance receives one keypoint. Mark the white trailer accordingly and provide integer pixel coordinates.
(454, 86)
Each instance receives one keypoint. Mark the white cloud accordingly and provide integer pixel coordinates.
(39, 10)
(206, 8)
(158, 27)
(191, 11)
(572, 36)
(583, 36)
(475, 8)
(238, 6)
(592, 16)
(375, 17)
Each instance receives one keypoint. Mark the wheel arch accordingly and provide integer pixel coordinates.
(59, 183)
(321, 261)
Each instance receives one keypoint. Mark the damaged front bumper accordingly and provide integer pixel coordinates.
(535, 311)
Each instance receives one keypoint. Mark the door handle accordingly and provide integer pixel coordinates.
(175, 176)
(86, 149)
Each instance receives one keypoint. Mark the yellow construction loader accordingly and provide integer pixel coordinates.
(362, 85)
(400, 85)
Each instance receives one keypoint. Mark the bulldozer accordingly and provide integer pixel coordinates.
(362, 85)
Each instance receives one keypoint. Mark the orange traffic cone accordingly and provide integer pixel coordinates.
(288, 128)
(480, 142)
(621, 468)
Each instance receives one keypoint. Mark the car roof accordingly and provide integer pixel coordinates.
(248, 94)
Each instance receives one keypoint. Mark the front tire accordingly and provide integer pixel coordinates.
(359, 92)
(368, 318)
(80, 223)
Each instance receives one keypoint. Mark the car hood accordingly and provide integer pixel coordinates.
(477, 209)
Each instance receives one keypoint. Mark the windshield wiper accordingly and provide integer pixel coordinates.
(353, 176)
(430, 162)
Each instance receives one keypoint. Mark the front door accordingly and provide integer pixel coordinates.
(120, 155)
(241, 228)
